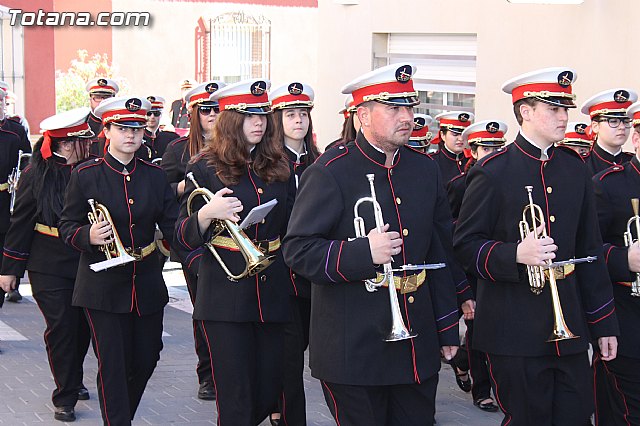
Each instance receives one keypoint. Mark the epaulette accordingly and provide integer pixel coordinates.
(180, 139)
(89, 163)
(419, 152)
(197, 157)
(15, 118)
(571, 152)
(610, 171)
(149, 163)
(333, 154)
(491, 156)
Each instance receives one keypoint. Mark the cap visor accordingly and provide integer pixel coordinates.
(132, 124)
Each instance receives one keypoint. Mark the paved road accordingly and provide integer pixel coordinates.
(26, 383)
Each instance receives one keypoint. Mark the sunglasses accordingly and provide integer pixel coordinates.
(154, 112)
(206, 110)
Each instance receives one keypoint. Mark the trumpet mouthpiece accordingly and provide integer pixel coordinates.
(635, 205)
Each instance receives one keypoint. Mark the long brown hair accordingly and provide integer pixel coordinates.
(278, 135)
(228, 151)
(196, 138)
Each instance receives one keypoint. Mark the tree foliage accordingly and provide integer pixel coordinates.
(70, 85)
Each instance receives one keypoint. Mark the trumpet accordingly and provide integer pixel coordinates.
(398, 330)
(115, 251)
(629, 240)
(14, 178)
(255, 259)
(537, 276)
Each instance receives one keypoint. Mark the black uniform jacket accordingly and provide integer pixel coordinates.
(451, 165)
(510, 319)
(175, 160)
(615, 187)
(136, 201)
(300, 286)
(12, 139)
(348, 323)
(179, 114)
(36, 250)
(599, 159)
(159, 141)
(456, 188)
(263, 297)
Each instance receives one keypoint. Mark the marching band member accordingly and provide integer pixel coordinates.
(367, 380)
(610, 126)
(124, 305)
(99, 89)
(179, 107)
(203, 113)
(482, 138)
(13, 138)
(243, 321)
(155, 139)
(33, 244)
(617, 381)
(292, 106)
(450, 157)
(421, 136)
(578, 138)
(537, 379)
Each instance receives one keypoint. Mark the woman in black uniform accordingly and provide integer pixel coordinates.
(174, 162)
(293, 126)
(123, 304)
(33, 244)
(243, 321)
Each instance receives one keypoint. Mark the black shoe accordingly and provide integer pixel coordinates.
(206, 391)
(486, 404)
(464, 384)
(65, 414)
(14, 296)
(83, 394)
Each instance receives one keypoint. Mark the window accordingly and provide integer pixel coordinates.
(233, 47)
(446, 75)
(12, 56)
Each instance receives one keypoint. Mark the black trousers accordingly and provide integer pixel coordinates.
(468, 359)
(128, 348)
(544, 390)
(203, 368)
(296, 341)
(246, 360)
(617, 385)
(66, 336)
(395, 405)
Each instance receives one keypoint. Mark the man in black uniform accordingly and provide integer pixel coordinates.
(450, 157)
(179, 108)
(578, 138)
(610, 127)
(618, 381)
(12, 139)
(154, 139)
(99, 89)
(537, 379)
(367, 380)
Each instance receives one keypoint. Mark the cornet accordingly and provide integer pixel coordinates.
(398, 330)
(537, 276)
(14, 178)
(629, 240)
(255, 259)
(114, 251)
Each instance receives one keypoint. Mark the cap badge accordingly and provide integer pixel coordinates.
(581, 128)
(133, 104)
(296, 89)
(403, 74)
(464, 117)
(621, 96)
(258, 88)
(492, 127)
(418, 123)
(102, 82)
(151, 98)
(211, 87)
(565, 78)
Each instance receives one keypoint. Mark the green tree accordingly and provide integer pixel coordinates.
(70, 85)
